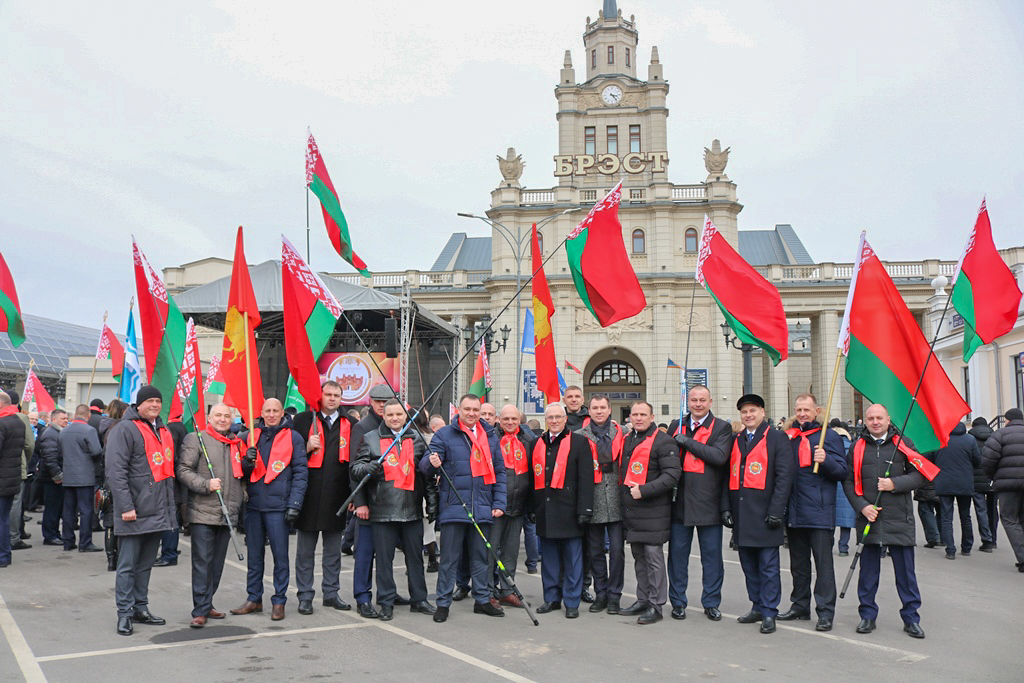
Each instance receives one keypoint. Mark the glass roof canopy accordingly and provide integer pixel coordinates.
(49, 343)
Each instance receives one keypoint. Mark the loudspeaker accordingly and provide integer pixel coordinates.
(391, 337)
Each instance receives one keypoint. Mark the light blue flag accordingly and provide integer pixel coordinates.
(561, 381)
(131, 376)
(529, 341)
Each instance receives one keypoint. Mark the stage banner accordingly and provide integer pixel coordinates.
(356, 373)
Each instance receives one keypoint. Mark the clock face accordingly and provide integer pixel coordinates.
(611, 95)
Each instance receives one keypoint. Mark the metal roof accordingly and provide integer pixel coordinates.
(49, 343)
(778, 246)
(464, 253)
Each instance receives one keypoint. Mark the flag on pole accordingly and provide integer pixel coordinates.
(529, 343)
(750, 304)
(600, 266)
(163, 329)
(886, 354)
(214, 378)
(674, 365)
(570, 366)
(453, 413)
(10, 309)
(239, 360)
(310, 314)
(109, 347)
(985, 292)
(320, 183)
(481, 382)
(561, 382)
(131, 375)
(34, 390)
(189, 381)
(543, 337)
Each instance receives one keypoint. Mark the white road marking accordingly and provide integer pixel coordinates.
(27, 661)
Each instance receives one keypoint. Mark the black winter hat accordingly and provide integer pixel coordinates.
(1014, 414)
(147, 392)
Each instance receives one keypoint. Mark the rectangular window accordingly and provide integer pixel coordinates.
(589, 140)
(627, 56)
(611, 54)
(634, 138)
(613, 140)
(593, 58)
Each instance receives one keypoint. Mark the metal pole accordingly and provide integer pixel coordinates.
(748, 369)
(519, 323)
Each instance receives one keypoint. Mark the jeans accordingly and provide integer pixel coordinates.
(963, 504)
(844, 539)
(457, 538)
(985, 529)
(259, 525)
(930, 513)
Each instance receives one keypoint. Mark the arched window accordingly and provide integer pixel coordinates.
(540, 241)
(615, 372)
(691, 241)
(639, 242)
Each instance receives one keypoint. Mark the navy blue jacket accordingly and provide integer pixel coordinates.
(288, 489)
(812, 502)
(452, 446)
(956, 464)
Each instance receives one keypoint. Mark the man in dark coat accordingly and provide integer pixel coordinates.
(760, 480)
(985, 505)
(563, 504)
(327, 442)
(701, 502)
(811, 513)
(96, 408)
(396, 491)
(275, 475)
(516, 444)
(1003, 461)
(470, 454)
(955, 484)
(876, 464)
(576, 413)
(12, 446)
(140, 473)
(650, 470)
(80, 446)
(51, 475)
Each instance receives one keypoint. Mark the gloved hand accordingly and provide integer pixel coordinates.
(291, 516)
(583, 519)
(431, 516)
(773, 522)
(250, 457)
(375, 469)
(531, 517)
(682, 439)
(727, 519)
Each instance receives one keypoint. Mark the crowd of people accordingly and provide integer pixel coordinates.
(577, 490)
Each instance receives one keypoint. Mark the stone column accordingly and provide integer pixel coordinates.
(776, 387)
(824, 338)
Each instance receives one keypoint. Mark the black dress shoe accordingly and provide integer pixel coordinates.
(387, 612)
(572, 612)
(824, 624)
(90, 549)
(21, 545)
(366, 610)
(488, 609)
(461, 593)
(866, 626)
(305, 606)
(713, 613)
(124, 626)
(422, 607)
(441, 615)
(599, 605)
(931, 544)
(402, 602)
(751, 617)
(587, 596)
(165, 563)
(70, 547)
(634, 609)
(794, 615)
(613, 606)
(650, 616)
(26, 535)
(144, 617)
(679, 612)
(51, 541)
(337, 603)
(768, 625)
(914, 630)
(549, 607)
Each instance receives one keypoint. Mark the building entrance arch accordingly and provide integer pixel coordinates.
(619, 373)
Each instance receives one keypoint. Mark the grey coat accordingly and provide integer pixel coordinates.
(607, 492)
(191, 469)
(80, 445)
(131, 481)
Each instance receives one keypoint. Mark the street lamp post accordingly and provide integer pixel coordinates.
(747, 349)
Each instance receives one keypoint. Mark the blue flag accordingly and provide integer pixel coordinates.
(131, 376)
(529, 341)
(561, 381)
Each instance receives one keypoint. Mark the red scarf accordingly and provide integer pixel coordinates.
(922, 464)
(398, 467)
(316, 458)
(540, 456)
(804, 449)
(756, 471)
(280, 456)
(618, 441)
(8, 410)
(159, 451)
(480, 462)
(692, 463)
(235, 447)
(512, 450)
(640, 462)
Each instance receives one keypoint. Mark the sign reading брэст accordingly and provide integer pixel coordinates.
(609, 164)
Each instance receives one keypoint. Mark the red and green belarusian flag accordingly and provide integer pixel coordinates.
(750, 304)
(985, 292)
(214, 378)
(163, 330)
(310, 315)
(600, 266)
(35, 391)
(187, 401)
(886, 355)
(320, 183)
(481, 382)
(10, 309)
(110, 347)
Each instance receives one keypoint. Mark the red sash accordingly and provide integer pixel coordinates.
(640, 462)
(540, 452)
(235, 448)
(480, 462)
(692, 463)
(617, 443)
(316, 458)
(159, 452)
(398, 467)
(280, 456)
(804, 449)
(514, 453)
(756, 472)
(922, 464)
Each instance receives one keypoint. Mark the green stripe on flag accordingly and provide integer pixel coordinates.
(744, 335)
(15, 326)
(963, 303)
(574, 250)
(319, 328)
(332, 205)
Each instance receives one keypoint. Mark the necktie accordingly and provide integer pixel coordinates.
(750, 436)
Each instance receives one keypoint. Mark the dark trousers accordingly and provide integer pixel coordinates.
(992, 506)
(362, 574)
(135, 557)
(930, 513)
(169, 545)
(984, 522)
(305, 563)
(764, 583)
(386, 535)
(1011, 511)
(53, 502)
(844, 539)
(906, 581)
(6, 502)
(531, 544)
(259, 525)
(709, 538)
(609, 569)
(458, 539)
(561, 570)
(504, 538)
(651, 578)
(803, 545)
(77, 502)
(209, 549)
(963, 504)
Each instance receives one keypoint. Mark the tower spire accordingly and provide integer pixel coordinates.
(610, 10)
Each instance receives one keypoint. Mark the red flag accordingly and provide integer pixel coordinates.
(34, 389)
(110, 348)
(239, 362)
(544, 340)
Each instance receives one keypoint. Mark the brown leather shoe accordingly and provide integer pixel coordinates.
(214, 614)
(511, 601)
(277, 613)
(198, 622)
(248, 607)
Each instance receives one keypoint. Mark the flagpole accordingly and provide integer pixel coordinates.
(686, 359)
(828, 404)
(120, 382)
(248, 380)
(28, 373)
(95, 358)
(307, 226)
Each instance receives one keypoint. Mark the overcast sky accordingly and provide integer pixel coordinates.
(180, 121)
